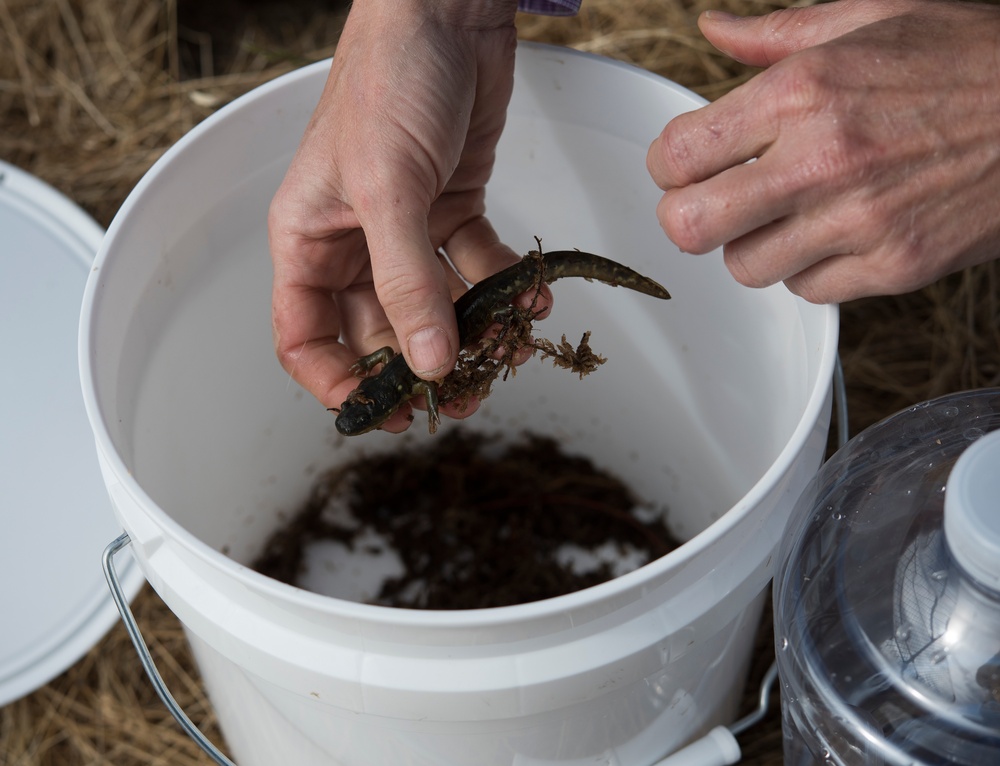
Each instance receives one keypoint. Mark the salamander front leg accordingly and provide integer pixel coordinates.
(365, 364)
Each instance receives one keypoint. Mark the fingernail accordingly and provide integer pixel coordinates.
(429, 350)
(721, 16)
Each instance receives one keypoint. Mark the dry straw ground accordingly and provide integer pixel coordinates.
(91, 93)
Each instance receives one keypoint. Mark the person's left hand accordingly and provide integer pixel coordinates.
(875, 135)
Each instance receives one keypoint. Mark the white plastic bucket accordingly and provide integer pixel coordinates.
(715, 403)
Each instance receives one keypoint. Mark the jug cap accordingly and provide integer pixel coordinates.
(972, 511)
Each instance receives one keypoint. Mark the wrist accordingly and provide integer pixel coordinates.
(466, 14)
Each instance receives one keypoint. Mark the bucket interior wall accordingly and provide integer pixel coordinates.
(710, 404)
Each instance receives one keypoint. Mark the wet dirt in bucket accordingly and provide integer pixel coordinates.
(476, 522)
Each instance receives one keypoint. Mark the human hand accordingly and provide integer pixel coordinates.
(875, 135)
(392, 169)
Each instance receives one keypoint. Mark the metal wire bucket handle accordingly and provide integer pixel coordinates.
(147, 659)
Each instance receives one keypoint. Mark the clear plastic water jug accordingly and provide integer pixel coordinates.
(887, 598)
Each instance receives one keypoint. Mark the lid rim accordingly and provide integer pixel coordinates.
(51, 240)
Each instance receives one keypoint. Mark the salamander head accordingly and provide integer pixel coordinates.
(366, 408)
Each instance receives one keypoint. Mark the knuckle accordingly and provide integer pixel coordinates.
(782, 20)
(833, 281)
(808, 290)
(288, 356)
(673, 154)
(828, 168)
(845, 146)
(280, 213)
(899, 268)
(800, 85)
(740, 267)
(291, 356)
(684, 223)
(876, 219)
(808, 92)
(889, 269)
(410, 301)
(837, 161)
(782, 29)
(404, 289)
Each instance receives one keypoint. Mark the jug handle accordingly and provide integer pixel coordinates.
(118, 594)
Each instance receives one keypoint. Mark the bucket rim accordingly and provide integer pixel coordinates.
(615, 589)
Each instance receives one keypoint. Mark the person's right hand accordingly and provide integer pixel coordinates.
(392, 170)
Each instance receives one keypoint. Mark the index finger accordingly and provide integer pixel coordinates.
(305, 318)
(699, 144)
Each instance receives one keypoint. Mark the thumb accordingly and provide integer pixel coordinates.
(413, 289)
(765, 40)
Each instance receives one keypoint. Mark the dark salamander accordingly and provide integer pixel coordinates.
(377, 397)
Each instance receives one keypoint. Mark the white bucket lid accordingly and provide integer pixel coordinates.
(54, 603)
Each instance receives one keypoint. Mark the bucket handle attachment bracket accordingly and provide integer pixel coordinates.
(118, 594)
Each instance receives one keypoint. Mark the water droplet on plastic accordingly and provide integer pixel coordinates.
(784, 643)
(940, 575)
(949, 412)
(837, 516)
(903, 632)
(973, 433)
(939, 656)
